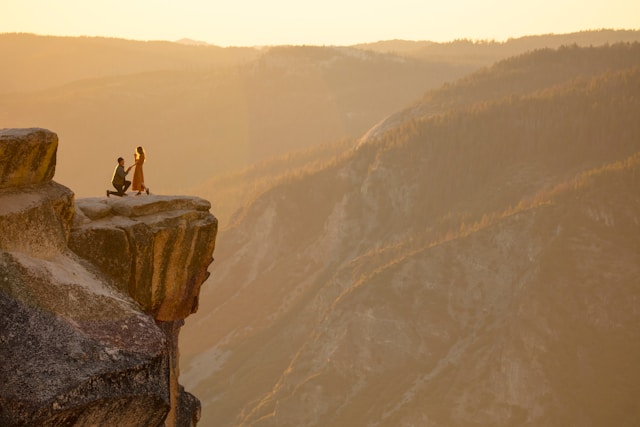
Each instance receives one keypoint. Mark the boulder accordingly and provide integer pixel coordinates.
(27, 156)
(74, 351)
(36, 219)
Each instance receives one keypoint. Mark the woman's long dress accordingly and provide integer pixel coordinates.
(138, 175)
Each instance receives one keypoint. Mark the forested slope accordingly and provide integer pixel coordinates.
(477, 266)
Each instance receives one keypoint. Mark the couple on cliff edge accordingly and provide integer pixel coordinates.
(119, 175)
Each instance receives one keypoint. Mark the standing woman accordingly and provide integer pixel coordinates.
(138, 174)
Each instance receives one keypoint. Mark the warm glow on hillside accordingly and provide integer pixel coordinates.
(405, 232)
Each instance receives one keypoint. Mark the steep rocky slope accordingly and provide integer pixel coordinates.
(529, 320)
(472, 267)
(93, 293)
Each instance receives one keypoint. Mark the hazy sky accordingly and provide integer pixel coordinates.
(326, 22)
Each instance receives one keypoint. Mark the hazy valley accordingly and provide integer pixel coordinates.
(205, 112)
(472, 261)
(412, 233)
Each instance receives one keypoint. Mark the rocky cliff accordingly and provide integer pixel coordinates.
(93, 293)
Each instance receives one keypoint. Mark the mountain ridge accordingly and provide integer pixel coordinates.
(340, 291)
(247, 104)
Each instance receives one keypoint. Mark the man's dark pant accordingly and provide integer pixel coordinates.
(120, 189)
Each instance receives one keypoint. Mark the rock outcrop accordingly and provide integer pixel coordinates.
(93, 293)
(135, 240)
(27, 156)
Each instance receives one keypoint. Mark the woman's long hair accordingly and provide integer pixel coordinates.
(141, 153)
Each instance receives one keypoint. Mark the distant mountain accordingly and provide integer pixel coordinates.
(203, 112)
(490, 51)
(513, 77)
(241, 186)
(190, 42)
(473, 263)
(45, 62)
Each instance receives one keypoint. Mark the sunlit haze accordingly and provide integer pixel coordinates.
(330, 22)
(422, 213)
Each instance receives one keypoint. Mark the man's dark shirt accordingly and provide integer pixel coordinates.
(118, 175)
